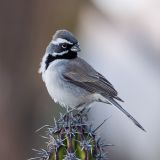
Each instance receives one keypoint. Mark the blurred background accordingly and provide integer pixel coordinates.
(120, 38)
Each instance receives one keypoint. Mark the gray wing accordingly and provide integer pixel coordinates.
(83, 75)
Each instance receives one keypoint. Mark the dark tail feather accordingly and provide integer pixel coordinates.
(112, 101)
(119, 99)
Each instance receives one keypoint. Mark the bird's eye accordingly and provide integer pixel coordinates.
(64, 45)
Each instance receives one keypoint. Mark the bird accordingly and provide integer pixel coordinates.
(71, 81)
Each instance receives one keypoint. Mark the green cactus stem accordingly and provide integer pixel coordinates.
(72, 138)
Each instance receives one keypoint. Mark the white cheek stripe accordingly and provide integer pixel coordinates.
(43, 65)
(60, 40)
(60, 54)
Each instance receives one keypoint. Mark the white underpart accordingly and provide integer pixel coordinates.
(42, 65)
(61, 91)
(97, 97)
(64, 93)
(60, 40)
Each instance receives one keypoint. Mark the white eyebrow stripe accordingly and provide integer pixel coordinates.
(60, 40)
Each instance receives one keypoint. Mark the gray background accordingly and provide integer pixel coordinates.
(120, 38)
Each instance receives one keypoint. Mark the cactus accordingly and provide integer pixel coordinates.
(72, 138)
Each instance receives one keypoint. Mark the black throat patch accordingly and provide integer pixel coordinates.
(50, 58)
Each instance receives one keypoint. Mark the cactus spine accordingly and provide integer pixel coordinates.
(72, 138)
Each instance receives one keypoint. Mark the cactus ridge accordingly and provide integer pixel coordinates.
(72, 138)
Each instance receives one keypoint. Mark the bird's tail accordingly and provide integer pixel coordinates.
(116, 104)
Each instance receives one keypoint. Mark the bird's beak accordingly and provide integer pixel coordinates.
(76, 48)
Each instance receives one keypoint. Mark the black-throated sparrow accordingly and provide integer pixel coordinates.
(70, 80)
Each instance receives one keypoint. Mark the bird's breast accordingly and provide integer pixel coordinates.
(60, 90)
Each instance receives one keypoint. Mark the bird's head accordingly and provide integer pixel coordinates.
(63, 45)
(63, 42)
